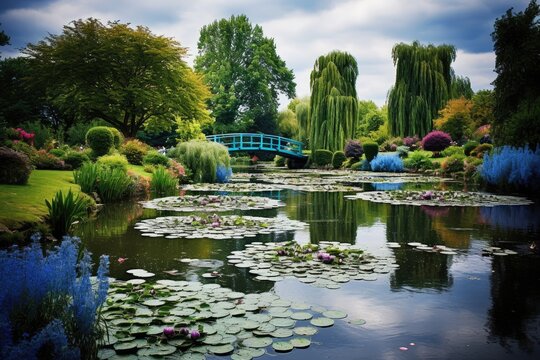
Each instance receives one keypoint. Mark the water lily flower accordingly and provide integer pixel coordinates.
(195, 334)
(184, 331)
(216, 224)
(121, 260)
(168, 331)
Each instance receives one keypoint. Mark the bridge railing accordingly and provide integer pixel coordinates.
(251, 141)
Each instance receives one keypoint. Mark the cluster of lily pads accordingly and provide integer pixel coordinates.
(211, 203)
(189, 320)
(497, 251)
(239, 187)
(439, 198)
(441, 249)
(215, 226)
(326, 265)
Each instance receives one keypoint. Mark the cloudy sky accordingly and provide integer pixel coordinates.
(302, 29)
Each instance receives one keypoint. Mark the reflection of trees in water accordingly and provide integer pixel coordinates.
(112, 220)
(330, 216)
(418, 269)
(454, 229)
(525, 218)
(515, 298)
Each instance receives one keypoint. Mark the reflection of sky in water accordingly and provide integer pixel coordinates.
(524, 217)
(385, 186)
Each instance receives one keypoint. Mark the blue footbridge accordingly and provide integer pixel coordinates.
(279, 145)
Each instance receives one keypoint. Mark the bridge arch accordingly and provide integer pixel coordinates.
(260, 142)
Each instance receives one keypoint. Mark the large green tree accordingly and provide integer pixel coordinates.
(517, 92)
(245, 75)
(422, 87)
(126, 76)
(333, 103)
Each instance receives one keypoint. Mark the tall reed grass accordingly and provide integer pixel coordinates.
(111, 184)
(163, 183)
(66, 210)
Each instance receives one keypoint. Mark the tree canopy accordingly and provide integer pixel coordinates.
(126, 76)
(517, 94)
(422, 87)
(244, 73)
(333, 103)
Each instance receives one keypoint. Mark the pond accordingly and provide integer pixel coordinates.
(429, 305)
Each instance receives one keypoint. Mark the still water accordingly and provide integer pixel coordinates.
(465, 306)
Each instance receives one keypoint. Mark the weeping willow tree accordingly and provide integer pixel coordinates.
(423, 86)
(333, 103)
(302, 117)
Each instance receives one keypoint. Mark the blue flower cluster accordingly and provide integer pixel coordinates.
(223, 174)
(508, 166)
(48, 299)
(387, 163)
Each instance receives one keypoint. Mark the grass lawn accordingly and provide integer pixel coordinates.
(26, 203)
(139, 170)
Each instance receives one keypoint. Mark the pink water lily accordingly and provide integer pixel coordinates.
(168, 331)
(195, 334)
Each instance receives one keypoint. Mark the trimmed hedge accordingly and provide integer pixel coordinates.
(481, 149)
(436, 141)
(371, 149)
(75, 159)
(323, 157)
(100, 139)
(15, 167)
(155, 158)
(134, 150)
(115, 161)
(338, 159)
(118, 138)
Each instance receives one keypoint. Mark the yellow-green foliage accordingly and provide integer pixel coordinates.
(202, 158)
(100, 139)
(118, 138)
(134, 150)
(115, 161)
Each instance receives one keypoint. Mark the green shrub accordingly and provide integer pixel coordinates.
(403, 151)
(279, 161)
(118, 138)
(115, 161)
(76, 134)
(163, 183)
(24, 148)
(113, 184)
(322, 157)
(357, 165)
(452, 150)
(100, 139)
(64, 211)
(75, 159)
(149, 168)
(371, 150)
(418, 160)
(57, 152)
(470, 146)
(201, 159)
(470, 166)
(134, 150)
(46, 161)
(42, 134)
(481, 149)
(453, 164)
(15, 167)
(155, 158)
(87, 176)
(338, 159)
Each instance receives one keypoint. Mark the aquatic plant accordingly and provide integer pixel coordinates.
(387, 163)
(86, 177)
(512, 168)
(64, 211)
(113, 184)
(48, 304)
(163, 183)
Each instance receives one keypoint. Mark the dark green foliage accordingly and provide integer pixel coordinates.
(470, 146)
(418, 160)
(517, 95)
(436, 141)
(481, 149)
(113, 184)
(163, 183)
(75, 159)
(244, 73)
(338, 159)
(403, 151)
(76, 134)
(45, 161)
(461, 87)
(333, 103)
(453, 150)
(155, 158)
(371, 150)
(357, 165)
(57, 152)
(422, 87)
(42, 134)
(279, 161)
(453, 164)
(15, 167)
(24, 148)
(322, 157)
(64, 211)
(100, 139)
(134, 150)
(87, 176)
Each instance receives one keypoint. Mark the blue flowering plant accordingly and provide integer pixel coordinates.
(48, 303)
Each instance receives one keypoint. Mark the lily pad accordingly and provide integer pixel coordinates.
(300, 343)
(305, 331)
(335, 314)
(301, 316)
(221, 350)
(257, 342)
(282, 346)
(322, 322)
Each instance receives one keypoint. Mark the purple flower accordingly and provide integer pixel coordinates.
(184, 331)
(195, 334)
(168, 331)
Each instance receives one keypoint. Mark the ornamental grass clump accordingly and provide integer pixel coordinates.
(201, 159)
(387, 163)
(64, 211)
(111, 184)
(163, 183)
(48, 306)
(512, 169)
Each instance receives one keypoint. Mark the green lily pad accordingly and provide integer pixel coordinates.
(301, 316)
(105, 353)
(335, 314)
(322, 322)
(282, 346)
(154, 302)
(213, 339)
(221, 350)
(258, 342)
(192, 356)
(157, 350)
(282, 333)
(282, 322)
(357, 322)
(300, 343)
(125, 347)
(305, 331)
